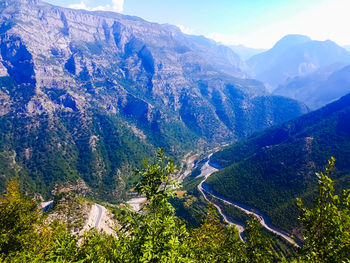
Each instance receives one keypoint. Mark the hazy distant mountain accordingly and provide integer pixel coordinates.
(88, 95)
(319, 88)
(271, 169)
(347, 47)
(246, 52)
(295, 55)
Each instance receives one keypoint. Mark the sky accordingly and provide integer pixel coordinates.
(253, 23)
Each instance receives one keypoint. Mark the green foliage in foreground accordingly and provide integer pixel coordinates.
(156, 235)
(327, 226)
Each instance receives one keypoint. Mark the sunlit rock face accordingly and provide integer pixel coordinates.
(70, 75)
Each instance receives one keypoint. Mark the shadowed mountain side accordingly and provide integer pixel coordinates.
(319, 88)
(270, 169)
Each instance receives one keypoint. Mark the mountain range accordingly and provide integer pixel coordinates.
(295, 55)
(85, 96)
(318, 88)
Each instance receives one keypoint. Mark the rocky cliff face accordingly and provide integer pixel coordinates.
(89, 94)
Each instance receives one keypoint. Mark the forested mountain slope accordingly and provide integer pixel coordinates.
(271, 169)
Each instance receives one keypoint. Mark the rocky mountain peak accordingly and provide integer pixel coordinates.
(291, 40)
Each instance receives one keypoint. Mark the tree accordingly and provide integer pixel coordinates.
(259, 247)
(18, 217)
(327, 225)
(156, 235)
(215, 242)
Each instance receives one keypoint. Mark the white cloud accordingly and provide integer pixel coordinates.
(115, 6)
(118, 5)
(225, 39)
(185, 30)
(82, 5)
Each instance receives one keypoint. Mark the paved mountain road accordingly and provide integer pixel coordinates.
(208, 170)
(99, 215)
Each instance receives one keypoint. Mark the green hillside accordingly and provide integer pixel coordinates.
(269, 170)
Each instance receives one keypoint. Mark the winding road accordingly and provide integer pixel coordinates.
(208, 170)
(95, 216)
(99, 215)
(100, 219)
